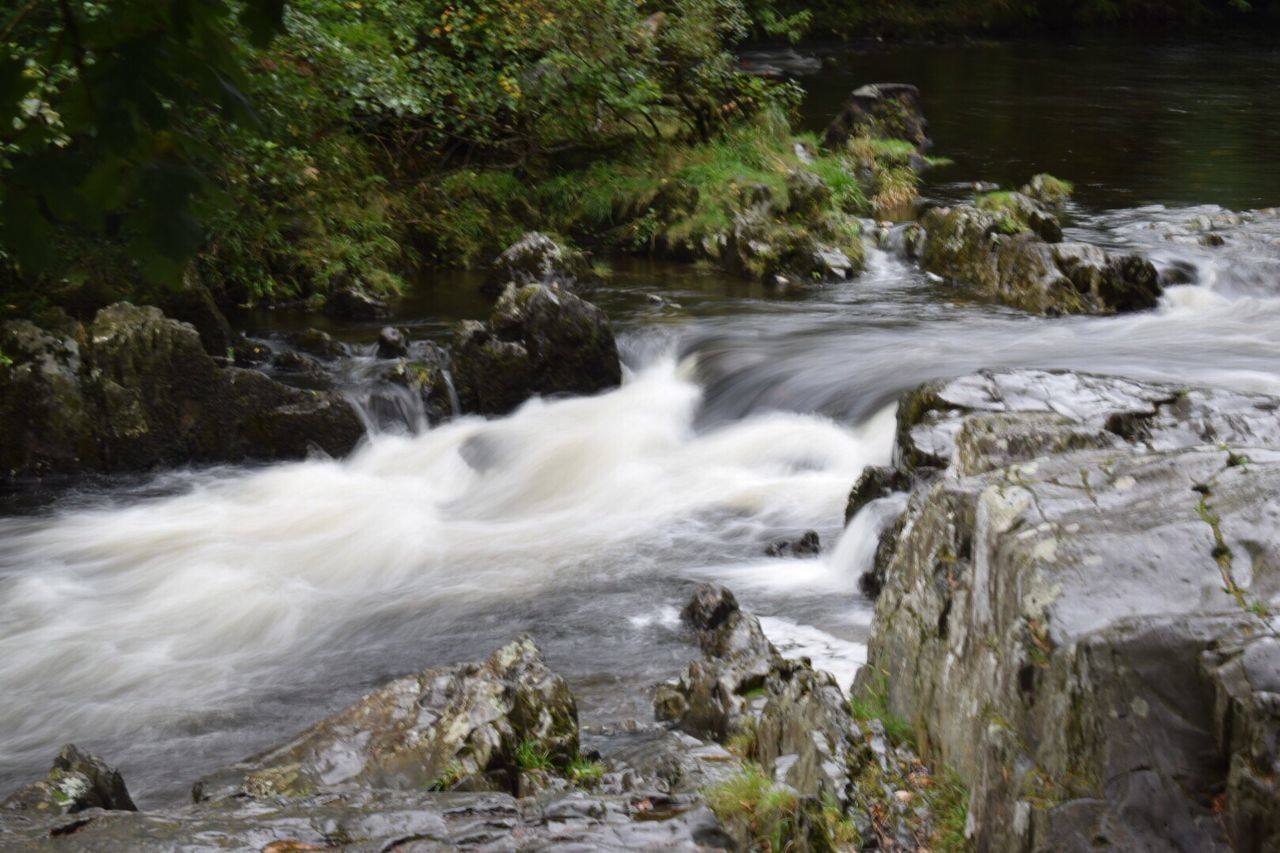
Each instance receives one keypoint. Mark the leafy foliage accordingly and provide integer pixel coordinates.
(98, 102)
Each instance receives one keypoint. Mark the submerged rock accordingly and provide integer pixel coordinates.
(1078, 612)
(77, 781)
(537, 259)
(806, 545)
(135, 389)
(880, 110)
(539, 340)
(968, 245)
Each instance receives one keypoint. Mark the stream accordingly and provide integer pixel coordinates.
(178, 623)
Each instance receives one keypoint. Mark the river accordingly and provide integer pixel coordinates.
(181, 622)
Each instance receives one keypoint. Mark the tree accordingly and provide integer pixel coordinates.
(99, 109)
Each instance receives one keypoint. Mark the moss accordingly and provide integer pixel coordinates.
(871, 702)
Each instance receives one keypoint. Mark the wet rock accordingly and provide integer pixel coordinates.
(537, 259)
(316, 343)
(807, 545)
(967, 245)
(77, 781)
(45, 419)
(349, 300)
(1047, 190)
(1077, 614)
(193, 303)
(388, 820)
(393, 342)
(456, 728)
(782, 253)
(136, 389)
(539, 340)
(709, 700)
(875, 482)
(1017, 212)
(881, 110)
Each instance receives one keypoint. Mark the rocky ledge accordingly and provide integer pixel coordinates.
(1076, 611)
(134, 389)
(1008, 247)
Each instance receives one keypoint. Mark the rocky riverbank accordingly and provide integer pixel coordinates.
(1076, 612)
(753, 749)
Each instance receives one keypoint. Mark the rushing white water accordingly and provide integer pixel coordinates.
(119, 622)
(178, 632)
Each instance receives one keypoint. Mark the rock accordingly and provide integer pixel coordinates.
(875, 482)
(408, 821)
(45, 419)
(456, 728)
(880, 110)
(393, 342)
(777, 252)
(1078, 613)
(537, 259)
(348, 300)
(808, 545)
(77, 781)
(316, 343)
(137, 390)
(966, 244)
(1047, 190)
(539, 340)
(808, 196)
(1017, 212)
(709, 698)
(194, 304)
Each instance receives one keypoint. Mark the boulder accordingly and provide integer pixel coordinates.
(1078, 612)
(880, 110)
(393, 342)
(316, 343)
(875, 482)
(538, 340)
(136, 389)
(968, 245)
(806, 545)
(537, 259)
(77, 781)
(350, 300)
(457, 727)
(1018, 212)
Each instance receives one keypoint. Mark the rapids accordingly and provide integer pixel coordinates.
(180, 623)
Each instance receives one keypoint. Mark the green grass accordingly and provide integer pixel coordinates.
(775, 818)
(584, 773)
(768, 812)
(530, 756)
(872, 703)
(949, 803)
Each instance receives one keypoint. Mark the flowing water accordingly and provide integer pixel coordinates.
(180, 623)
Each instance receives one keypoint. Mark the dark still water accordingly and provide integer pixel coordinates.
(184, 623)
(1132, 121)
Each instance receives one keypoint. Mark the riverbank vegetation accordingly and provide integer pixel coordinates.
(368, 140)
(964, 17)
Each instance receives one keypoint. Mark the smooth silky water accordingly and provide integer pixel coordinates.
(181, 622)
